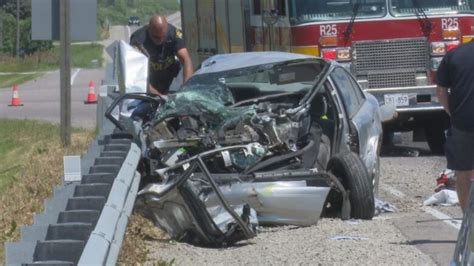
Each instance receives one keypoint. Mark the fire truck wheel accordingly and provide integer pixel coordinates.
(435, 137)
(352, 173)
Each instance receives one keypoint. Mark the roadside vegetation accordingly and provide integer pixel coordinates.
(31, 163)
(117, 12)
(9, 80)
(41, 56)
(36, 56)
(83, 56)
(27, 46)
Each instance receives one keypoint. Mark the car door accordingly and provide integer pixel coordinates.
(363, 116)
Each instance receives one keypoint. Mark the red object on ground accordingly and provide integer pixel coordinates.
(445, 181)
(442, 179)
(16, 101)
(91, 97)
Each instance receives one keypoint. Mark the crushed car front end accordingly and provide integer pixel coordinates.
(239, 146)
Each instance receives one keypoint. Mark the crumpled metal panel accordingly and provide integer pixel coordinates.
(134, 66)
(184, 217)
(282, 202)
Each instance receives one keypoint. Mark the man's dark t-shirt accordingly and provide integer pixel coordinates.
(162, 65)
(456, 72)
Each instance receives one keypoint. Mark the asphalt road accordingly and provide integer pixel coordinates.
(41, 97)
(175, 19)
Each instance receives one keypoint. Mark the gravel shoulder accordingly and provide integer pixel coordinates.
(380, 243)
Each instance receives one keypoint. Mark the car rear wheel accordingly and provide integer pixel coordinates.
(349, 168)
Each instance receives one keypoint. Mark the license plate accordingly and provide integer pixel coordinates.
(398, 99)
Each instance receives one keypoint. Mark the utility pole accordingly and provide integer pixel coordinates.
(17, 28)
(1, 33)
(65, 71)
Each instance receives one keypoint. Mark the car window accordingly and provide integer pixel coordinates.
(352, 96)
(357, 89)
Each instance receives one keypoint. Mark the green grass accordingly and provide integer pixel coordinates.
(20, 137)
(82, 57)
(83, 54)
(6, 81)
(119, 12)
(17, 137)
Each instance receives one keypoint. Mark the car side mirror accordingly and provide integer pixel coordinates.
(387, 112)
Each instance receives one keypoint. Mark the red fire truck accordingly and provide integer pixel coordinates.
(392, 47)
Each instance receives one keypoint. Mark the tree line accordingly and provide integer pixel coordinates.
(8, 28)
(110, 12)
(117, 12)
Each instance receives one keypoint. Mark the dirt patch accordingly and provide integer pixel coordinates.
(135, 248)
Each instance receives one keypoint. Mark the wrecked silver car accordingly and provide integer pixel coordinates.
(257, 138)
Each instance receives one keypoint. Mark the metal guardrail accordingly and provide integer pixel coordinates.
(85, 222)
(105, 241)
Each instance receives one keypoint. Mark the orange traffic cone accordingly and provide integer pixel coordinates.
(91, 97)
(15, 98)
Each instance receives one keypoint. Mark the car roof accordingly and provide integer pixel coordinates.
(223, 62)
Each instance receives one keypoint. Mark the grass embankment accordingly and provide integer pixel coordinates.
(82, 57)
(31, 163)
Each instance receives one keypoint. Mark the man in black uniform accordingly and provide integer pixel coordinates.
(161, 42)
(455, 80)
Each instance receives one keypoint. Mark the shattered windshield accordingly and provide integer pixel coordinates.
(303, 11)
(409, 7)
(209, 101)
(213, 94)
